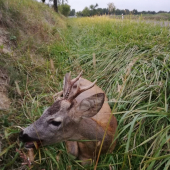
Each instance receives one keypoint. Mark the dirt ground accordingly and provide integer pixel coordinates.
(4, 79)
(4, 100)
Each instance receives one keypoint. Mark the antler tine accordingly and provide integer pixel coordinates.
(69, 83)
(77, 78)
(80, 90)
(88, 87)
(56, 95)
(66, 83)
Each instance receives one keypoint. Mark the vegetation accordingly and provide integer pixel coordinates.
(111, 10)
(131, 61)
(159, 16)
(163, 17)
(56, 3)
(60, 6)
(127, 14)
(64, 9)
(72, 12)
(30, 23)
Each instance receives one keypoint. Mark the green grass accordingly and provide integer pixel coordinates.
(30, 23)
(130, 59)
(160, 16)
(153, 17)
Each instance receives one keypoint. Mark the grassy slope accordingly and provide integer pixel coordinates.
(32, 28)
(129, 59)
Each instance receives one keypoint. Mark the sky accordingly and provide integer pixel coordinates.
(140, 5)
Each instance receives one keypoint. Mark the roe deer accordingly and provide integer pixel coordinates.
(81, 114)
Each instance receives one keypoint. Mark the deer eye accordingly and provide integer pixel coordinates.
(55, 123)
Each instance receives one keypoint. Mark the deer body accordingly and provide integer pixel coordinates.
(82, 114)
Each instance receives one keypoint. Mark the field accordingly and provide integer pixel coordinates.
(155, 17)
(130, 60)
(160, 16)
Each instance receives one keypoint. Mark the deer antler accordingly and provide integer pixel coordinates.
(68, 93)
(80, 90)
(68, 84)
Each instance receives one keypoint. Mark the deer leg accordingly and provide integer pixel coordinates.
(85, 160)
(86, 152)
(72, 148)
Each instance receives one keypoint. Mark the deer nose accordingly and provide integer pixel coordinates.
(25, 137)
(21, 135)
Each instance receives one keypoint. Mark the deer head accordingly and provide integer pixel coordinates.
(61, 121)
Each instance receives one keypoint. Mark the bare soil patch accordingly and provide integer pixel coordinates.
(4, 80)
(4, 100)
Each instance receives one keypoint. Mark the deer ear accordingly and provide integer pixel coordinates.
(90, 106)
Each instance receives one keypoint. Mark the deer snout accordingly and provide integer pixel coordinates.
(21, 135)
(25, 138)
(29, 141)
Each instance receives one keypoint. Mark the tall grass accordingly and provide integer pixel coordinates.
(131, 61)
(160, 16)
(33, 28)
(132, 65)
(154, 17)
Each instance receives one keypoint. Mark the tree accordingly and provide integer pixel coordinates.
(105, 11)
(111, 7)
(79, 14)
(93, 9)
(162, 12)
(118, 12)
(56, 3)
(99, 11)
(86, 11)
(127, 12)
(72, 12)
(64, 9)
(135, 11)
(55, 6)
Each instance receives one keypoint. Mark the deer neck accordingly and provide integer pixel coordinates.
(91, 130)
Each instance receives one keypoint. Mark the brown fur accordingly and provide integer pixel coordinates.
(86, 119)
(97, 125)
(55, 107)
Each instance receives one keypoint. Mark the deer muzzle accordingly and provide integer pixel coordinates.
(29, 141)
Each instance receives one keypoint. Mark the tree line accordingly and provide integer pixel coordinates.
(60, 6)
(65, 9)
(111, 10)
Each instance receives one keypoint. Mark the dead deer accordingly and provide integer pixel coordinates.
(81, 114)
